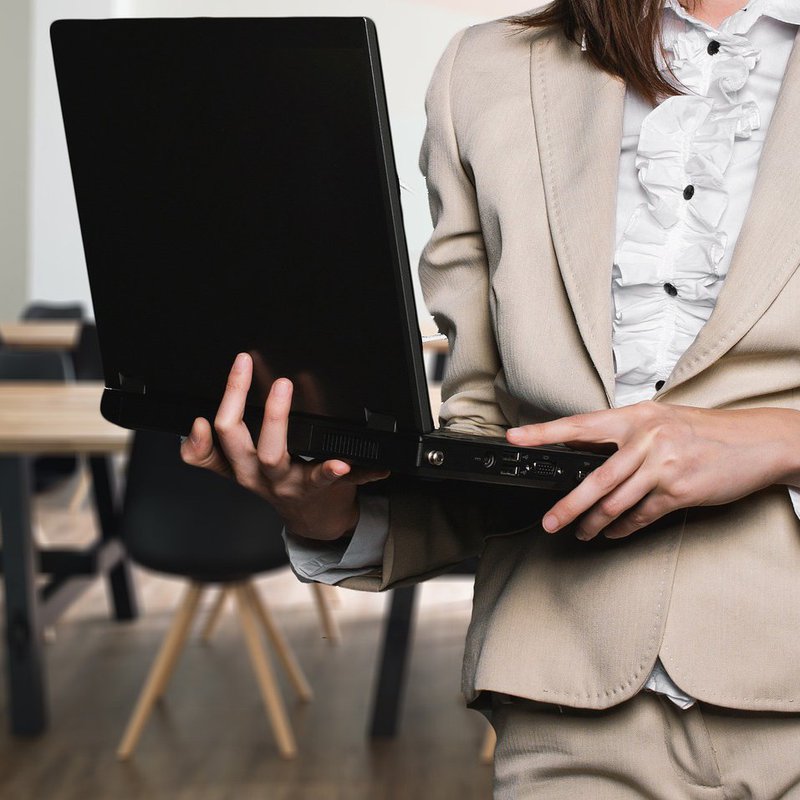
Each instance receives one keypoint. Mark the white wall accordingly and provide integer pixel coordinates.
(412, 34)
(57, 269)
(14, 148)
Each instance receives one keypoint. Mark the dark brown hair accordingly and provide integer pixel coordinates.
(622, 38)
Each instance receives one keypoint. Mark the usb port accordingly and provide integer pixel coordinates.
(511, 458)
(510, 471)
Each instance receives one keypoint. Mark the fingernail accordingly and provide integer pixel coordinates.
(241, 362)
(281, 388)
(582, 535)
(513, 431)
(550, 523)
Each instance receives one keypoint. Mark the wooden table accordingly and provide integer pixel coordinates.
(52, 418)
(41, 334)
(437, 344)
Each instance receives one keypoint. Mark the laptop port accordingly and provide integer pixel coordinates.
(488, 461)
(541, 469)
(511, 458)
(511, 472)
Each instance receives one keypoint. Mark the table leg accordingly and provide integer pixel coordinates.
(24, 652)
(120, 580)
(394, 659)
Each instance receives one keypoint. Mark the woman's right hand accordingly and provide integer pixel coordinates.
(316, 500)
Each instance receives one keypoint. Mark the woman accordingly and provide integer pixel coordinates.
(590, 169)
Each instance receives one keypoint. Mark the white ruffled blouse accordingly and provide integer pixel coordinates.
(686, 173)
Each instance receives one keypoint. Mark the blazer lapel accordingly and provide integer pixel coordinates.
(767, 251)
(578, 115)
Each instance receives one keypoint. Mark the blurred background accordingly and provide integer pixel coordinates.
(83, 628)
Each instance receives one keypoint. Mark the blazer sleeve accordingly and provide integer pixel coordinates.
(433, 526)
(453, 269)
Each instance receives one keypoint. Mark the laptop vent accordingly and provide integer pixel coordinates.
(350, 445)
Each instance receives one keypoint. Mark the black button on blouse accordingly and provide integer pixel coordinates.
(688, 192)
(659, 385)
(713, 47)
(670, 289)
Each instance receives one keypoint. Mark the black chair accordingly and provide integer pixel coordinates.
(53, 311)
(49, 365)
(86, 355)
(188, 522)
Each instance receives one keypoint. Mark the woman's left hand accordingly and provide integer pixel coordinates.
(668, 457)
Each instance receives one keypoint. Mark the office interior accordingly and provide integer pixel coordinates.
(267, 687)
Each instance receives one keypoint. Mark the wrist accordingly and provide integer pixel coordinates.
(325, 528)
(788, 466)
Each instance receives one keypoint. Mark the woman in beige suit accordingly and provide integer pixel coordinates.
(623, 173)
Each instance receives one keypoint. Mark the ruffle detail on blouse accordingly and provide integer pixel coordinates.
(726, 71)
(666, 272)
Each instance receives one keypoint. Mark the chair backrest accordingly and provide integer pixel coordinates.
(53, 311)
(187, 521)
(43, 365)
(86, 356)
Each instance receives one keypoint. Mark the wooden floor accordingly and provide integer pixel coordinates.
(210, 740)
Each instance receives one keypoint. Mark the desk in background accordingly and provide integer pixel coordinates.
(40, 334)
(46, 419)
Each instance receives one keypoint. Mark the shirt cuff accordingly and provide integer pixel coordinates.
(794, 496)
(331, 562)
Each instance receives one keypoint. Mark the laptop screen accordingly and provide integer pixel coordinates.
(236, 192)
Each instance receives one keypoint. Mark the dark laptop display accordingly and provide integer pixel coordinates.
(236, 191)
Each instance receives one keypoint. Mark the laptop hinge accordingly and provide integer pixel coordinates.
(380, 422)
(132, 385)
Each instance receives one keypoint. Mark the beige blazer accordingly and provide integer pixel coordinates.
(521, 157)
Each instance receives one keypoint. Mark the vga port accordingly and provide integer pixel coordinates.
(541, 469)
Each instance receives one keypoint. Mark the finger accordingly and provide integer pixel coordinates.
(614, 505)
(198, 449)
(235, 440)
(327, 473)
(272, 450)
(609, 425)
(645, 513)
(599, 483)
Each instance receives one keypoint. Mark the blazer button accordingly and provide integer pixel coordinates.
(670, 289)
(688, 192)
(713, 47)
(660, 385)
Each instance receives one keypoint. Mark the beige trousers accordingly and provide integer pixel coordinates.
(644, 748)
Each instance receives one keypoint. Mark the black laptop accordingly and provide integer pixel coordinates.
(237, 191)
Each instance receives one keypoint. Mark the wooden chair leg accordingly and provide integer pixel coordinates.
(278, 640)
(161, 670)
(276, 712)
(81, 492)
(330, 627)
(214, 614)
(333, 594)
(487, 749)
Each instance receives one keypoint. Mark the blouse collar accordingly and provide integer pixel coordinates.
(742, 20)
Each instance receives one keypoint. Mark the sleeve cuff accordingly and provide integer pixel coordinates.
(331, 562)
